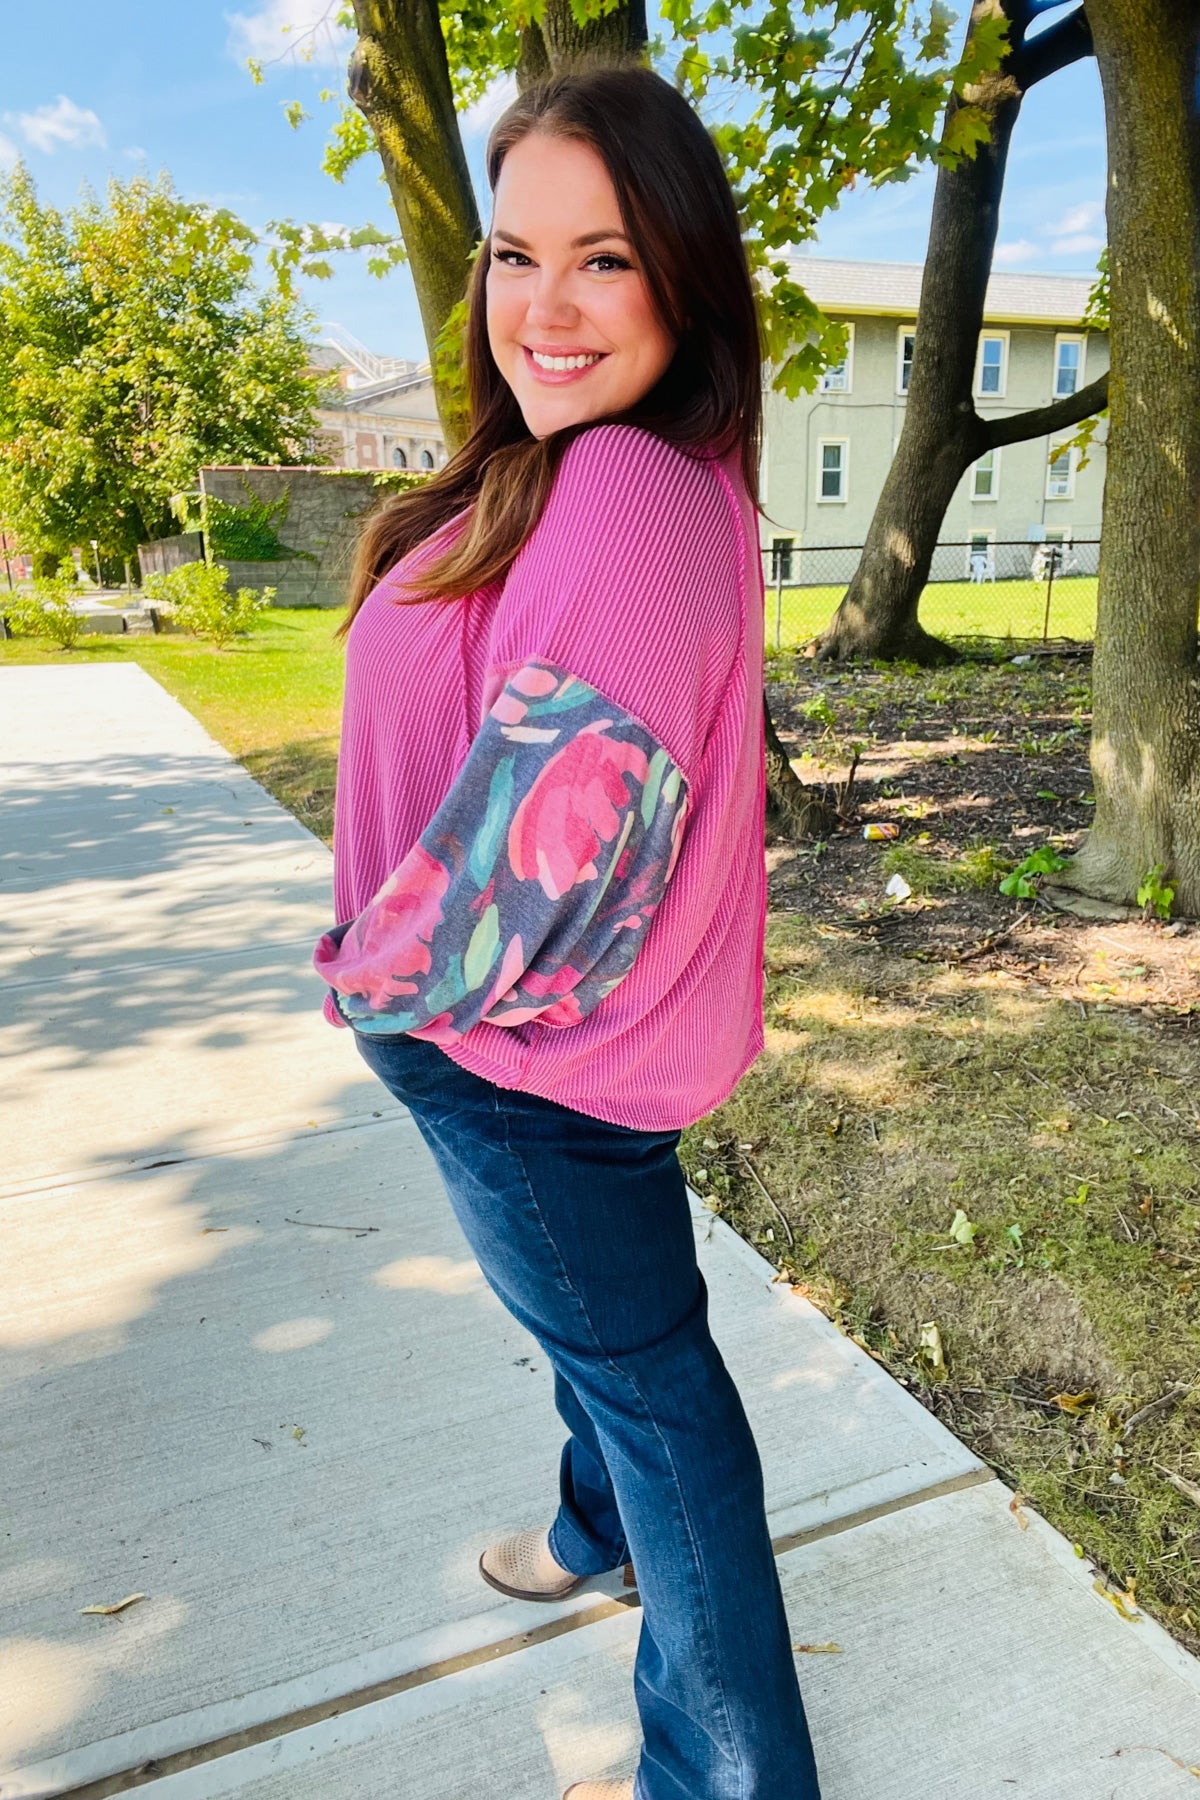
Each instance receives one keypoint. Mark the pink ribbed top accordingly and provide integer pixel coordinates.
(642, 578)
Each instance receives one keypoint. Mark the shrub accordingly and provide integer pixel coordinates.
(45, 610)
(197, 597)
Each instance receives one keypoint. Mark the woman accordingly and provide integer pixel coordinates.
(548, 861)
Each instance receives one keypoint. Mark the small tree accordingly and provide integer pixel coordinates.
(134, 347)
(943, 434)
(46, 610)
(196, 595)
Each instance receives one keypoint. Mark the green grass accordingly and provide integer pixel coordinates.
(1001, 609)
(890, 1097)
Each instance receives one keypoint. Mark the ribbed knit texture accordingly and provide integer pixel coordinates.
(642, 577)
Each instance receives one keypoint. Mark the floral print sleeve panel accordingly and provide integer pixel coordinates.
(534, 884)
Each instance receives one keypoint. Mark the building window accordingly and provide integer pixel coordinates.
(839, 377)
(985, 477)
(906, 339)
(426, 459)
(399, 460)
(832, 457)
(1060, 472)
(1068, 366)
(991, 374)
(781, 558)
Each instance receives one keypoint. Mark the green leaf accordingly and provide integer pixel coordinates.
(295, 114)
(967, 127)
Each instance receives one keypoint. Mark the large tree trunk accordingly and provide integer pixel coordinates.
(943, 434)
(1146, 727)
(400, 80)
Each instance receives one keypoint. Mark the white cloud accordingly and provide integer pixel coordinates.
(8, 152)
(487, 109)
(289, 30)
(134, 152)
(62, 123)
(1080, 243)
(1078, 220)
(1008, 256)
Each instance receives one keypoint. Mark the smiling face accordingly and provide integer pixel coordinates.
(570, 319)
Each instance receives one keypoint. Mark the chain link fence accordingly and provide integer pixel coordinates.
(978, 587)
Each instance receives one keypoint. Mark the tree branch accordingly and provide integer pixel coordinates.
(1042, 420)
(1051, 50)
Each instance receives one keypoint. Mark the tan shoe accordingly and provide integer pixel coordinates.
(523, 1567)
(601, 1790)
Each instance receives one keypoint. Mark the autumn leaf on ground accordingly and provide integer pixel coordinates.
(1014, 1507)
(819, 1649)
(1074, 1403)
(1120, 1601)
(118, 1606)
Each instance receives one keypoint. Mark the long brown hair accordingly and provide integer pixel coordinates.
(678, 210)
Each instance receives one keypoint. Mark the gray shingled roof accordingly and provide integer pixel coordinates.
(895, 288)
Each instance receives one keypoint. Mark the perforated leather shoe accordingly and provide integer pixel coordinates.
(523, 1567)
(601, 1790)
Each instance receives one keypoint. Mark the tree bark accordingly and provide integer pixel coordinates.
(1146, 723)
(400, 80)
(942, 433)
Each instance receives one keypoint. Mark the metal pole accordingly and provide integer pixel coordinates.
(778, 601)
(1051, 559)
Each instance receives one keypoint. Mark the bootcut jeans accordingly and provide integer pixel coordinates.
(583, 1231)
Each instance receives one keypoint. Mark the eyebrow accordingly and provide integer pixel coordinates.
(589, 237)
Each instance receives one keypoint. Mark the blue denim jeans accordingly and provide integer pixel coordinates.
(584, 1232)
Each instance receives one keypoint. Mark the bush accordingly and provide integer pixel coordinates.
(196, 596)
(45, 610)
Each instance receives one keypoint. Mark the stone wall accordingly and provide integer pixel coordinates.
(317, 531)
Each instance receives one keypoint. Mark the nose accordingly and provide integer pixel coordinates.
(550, 302)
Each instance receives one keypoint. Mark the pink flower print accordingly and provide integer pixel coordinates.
(560, 982)
(576, 804)
(529, 683)
(390, 942)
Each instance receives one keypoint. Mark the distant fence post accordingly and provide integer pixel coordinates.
(778, 601)
(1051, 560)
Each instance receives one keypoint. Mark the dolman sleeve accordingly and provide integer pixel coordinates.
(534, 885)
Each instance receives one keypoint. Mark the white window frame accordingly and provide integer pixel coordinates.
(1061, 535)
(833, 499)
(902, 332)
(1052, 451)
(978, 499)
(847, 386)
(1068, 337)
(1002, 338)
(988, 534)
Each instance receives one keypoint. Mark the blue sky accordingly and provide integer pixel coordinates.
(150, 84)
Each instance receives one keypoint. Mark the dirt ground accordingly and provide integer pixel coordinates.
(973, 1139)
(986, 761)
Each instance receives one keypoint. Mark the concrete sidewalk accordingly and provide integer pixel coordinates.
(251, 1371)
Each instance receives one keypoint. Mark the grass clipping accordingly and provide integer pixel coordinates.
(998, 1196)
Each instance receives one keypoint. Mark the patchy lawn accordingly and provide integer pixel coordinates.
(973, 1114)
(983, 1117)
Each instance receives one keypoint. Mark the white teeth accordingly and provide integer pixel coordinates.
(562, 362)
